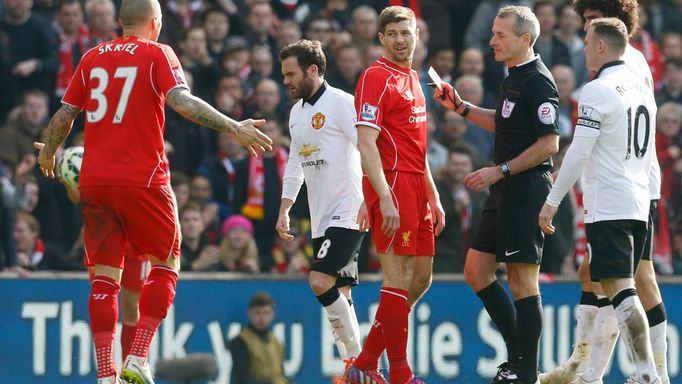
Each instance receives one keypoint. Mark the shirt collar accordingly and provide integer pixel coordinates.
(393, 65)
(532, 59)
(316, 96)
(608, 65)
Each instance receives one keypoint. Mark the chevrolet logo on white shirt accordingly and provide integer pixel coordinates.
(307, 150)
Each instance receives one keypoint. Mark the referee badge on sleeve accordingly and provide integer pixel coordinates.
(369, 112)
(547, 113)
(507, 108)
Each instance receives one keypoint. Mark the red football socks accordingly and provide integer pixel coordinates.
(393, 314)
(374, 346)
(156, 297)
(127, 337)
(103, 308)
(390, 331)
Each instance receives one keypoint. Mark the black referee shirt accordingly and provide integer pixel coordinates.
(526, 110)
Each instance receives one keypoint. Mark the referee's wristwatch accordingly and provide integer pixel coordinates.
(506, 171)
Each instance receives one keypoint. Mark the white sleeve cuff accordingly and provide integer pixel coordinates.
(291, 185)
(371, 125)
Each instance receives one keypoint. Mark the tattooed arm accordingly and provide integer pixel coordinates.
(59, 127)
(198, 111)
(57, 130)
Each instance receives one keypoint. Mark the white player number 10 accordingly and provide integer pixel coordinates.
(127, 73)
(640, 150)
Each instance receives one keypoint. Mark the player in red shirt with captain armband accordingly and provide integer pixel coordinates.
(122, 86)
(399, 191)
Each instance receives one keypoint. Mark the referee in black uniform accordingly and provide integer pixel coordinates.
(526, 135)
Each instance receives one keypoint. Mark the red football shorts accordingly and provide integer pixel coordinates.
(115, 215)
(415, 235)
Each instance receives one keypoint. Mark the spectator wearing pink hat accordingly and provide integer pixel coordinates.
(238, 250)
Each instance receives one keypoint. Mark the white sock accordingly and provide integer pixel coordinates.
(340, 345)
(356, 328)
(585, 319)
(659, 345)
(340, 318)
(604, 337)
(633, 324)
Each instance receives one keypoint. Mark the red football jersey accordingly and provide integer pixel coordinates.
(122, 86)
(390, 99)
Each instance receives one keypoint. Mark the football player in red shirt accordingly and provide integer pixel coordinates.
(122, 86)
(399, 191)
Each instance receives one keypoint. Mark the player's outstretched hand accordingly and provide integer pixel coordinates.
(45, 160)
(363, 218)
(483, 178)
(545, 219)
(390, 216)
(447, 96)
(438, 214)
(282, 227)
(251, 137)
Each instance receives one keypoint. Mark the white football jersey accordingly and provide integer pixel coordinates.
(617, 108)
(635, 60)
(324, 153)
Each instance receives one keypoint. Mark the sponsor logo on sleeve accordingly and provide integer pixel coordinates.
(547, 113)
(179, 76)
(586, 117)
(369, 112)
(585, 111)
(507, 108)
(589, 123)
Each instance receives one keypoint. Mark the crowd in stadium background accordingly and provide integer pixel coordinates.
(229, 50)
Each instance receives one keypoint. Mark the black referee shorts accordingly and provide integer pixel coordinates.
(509, 223)
(614, 247)
(336, 254)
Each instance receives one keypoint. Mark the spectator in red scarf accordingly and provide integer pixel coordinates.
(669, 145)
(101, 18)
(646, 44)
(671, 46)
(32, 252)
(258, 189)
(74, 41)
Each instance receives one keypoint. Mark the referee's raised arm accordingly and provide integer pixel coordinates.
(448, 96)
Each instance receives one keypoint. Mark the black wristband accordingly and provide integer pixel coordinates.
(506, 171)
(467, 109)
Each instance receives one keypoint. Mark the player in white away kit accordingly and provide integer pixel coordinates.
(612, 147)
(324, 154)
(597, 329)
